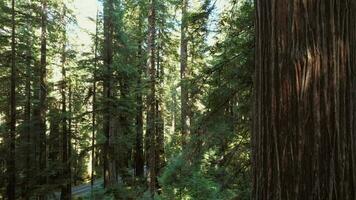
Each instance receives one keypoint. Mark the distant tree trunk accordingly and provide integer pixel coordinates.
(151, 99)
(27, 122)
(139, 162)
(183, 72)
(138, 156)
(11, 168)
(54, 144)
(66, 188)
(123, 127)
(92, 178)
(304, 114)
(159, 108)
(39, 108)
(110, 178)
(41, 115)
(69, 131)
(94, 104)
(78, 155)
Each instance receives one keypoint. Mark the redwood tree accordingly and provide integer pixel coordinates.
(304, 114)
(110, 178)
(151, 98)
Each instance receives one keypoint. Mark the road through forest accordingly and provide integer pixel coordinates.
(80, 190)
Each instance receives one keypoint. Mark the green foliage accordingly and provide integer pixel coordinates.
(187, 183)
(215, 164)
(223, 170)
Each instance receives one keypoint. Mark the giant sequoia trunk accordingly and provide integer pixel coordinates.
(304, 128)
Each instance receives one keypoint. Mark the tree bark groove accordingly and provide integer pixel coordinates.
(304, 121)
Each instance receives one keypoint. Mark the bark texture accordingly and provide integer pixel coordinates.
(304, 121)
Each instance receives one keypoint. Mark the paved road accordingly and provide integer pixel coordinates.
(80, 190)
(85, 188)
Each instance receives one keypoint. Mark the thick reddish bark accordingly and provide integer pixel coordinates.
(304, 128)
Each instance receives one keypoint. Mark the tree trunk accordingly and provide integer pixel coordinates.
(304, 121)
(138, 156)
(41, 109)
(151, 99)
(55, 144)
(121, 126)
(139, 162)
(94, 104)
(66, 188)
(110, 178)
(159, 108)
(11, 168)
(69, 131)
(27, 121)
(183, 73)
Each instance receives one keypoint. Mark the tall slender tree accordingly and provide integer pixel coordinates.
(110, 178)
(42, 89)
(183, 72)
(11, 168)
(138, 156)
(304, 121)
(66, 188)
(94, 126)
(159, 103)
(27, 114)
(151, 98)
(39, 108)
(69, 130)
